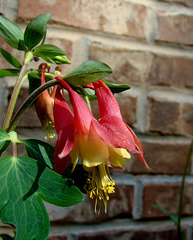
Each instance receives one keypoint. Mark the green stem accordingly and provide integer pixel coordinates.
(14, 146)
(32, 97)
(180, 234)
(16, 91)
(85, 96)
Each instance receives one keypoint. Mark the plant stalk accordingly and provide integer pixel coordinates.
(85, 96)
(16, 91)
(180, 233)
(32, 97)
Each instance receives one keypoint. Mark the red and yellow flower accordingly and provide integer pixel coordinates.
(99, 144)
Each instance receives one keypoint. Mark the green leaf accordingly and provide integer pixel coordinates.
(51, 54)
(11, 33)
(45, 50)
(9, 72)
(10, 59)
(34, 81)
(36, 30)
(5, 146)
(116, 88)
(40, 151)
(24, 183)
(87, 72)
(4, 136)
(174, 218)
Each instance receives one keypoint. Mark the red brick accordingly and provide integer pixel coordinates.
(128, 106)
(132, 234)
(162, 156)
(170, 115)
(57, 237)
(120, 204)
(163, 116)
(187, 119)
(175, 28)
(142, 67)
(129, 66)
(122, 18)
(167, 196)
(171, 71)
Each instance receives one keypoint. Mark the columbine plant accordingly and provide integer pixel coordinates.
(46, 172)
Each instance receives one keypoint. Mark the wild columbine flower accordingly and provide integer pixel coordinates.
(111, 119)
(45, 104)
(100, 145)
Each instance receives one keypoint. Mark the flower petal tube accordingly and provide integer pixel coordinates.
(45, 104)
(111, 119)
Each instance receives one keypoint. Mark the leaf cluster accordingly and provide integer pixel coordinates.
(26, 181)
(34, 34)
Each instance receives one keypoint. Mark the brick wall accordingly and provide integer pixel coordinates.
(148, 44)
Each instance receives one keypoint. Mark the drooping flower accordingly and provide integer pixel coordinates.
(111, 119)
(44, 105)
(99, 144)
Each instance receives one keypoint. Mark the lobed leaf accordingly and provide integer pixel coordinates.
(24, 183)
(39, 150)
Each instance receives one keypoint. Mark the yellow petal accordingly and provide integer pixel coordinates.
(93, 151)
(125, 153)
(74, 154)
(117, 156)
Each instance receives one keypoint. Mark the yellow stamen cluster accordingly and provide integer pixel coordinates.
(100, 185)
(49, 130)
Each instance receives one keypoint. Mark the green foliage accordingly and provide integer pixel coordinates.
(24, 183)
(36, 30)
(174, 218)
(87, 72)
(34, 81)
(10, 59)
(9, 72)
(11, 33)
(4, 136)
(116, 88)
(51, 54)
(40, 151)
